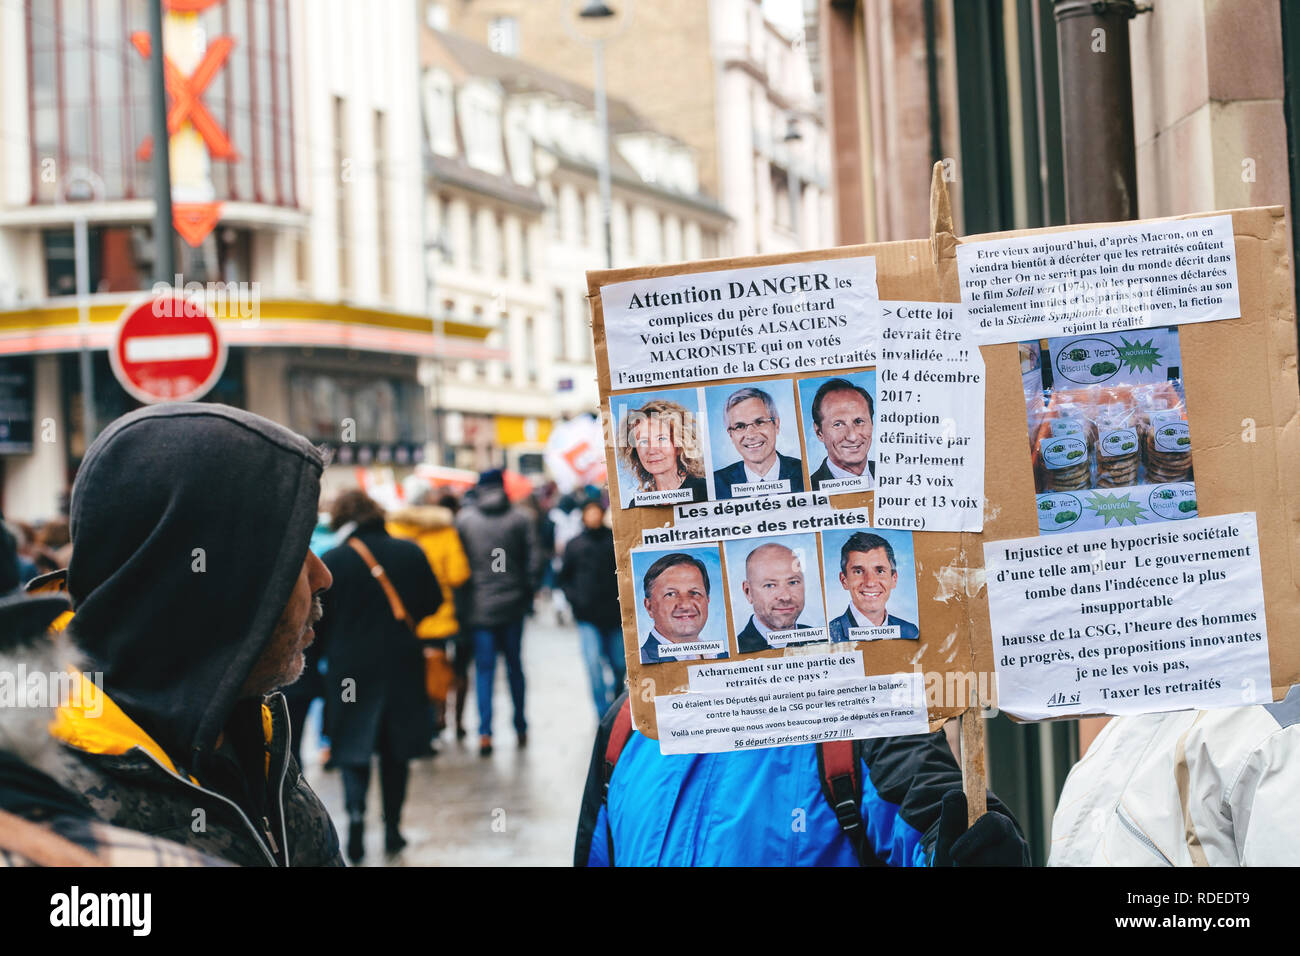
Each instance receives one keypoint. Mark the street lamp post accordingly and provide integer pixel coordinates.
(164, 256)
(83, 185)
(602, 120)
(596, 10)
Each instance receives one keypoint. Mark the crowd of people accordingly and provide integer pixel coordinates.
(381, 615)
(195, 579)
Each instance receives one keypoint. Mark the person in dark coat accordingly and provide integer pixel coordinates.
(375, 696)
(590, 582)
(505, 567)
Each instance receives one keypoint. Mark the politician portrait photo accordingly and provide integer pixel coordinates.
(774, 585)
(754, 440)
(838, 416)
(876, 575)
(660, 448)
(679, 600)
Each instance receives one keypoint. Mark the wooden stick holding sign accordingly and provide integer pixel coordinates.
(972, 721)
(972, 761)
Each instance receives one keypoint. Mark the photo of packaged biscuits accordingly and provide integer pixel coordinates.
(1118, 442)
(1067, 464)
(1167, 447)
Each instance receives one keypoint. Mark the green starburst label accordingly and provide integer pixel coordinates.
(1139, 356)
(1114, 507)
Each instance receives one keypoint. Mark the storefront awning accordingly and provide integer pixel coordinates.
(53, 327)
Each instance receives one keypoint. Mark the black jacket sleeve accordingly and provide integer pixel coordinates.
(913, 773)
(592, 795)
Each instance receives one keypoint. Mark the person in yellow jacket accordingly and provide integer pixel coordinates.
(433, 528)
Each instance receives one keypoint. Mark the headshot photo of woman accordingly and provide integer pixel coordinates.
(661, 460)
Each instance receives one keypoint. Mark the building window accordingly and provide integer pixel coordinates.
(89, 98)
(508, 366)
(530, 350)
(302, 251)
(439, 112)
(445, 233)
(709, 244)
(503, 248)
(480, 111)
(781, 209)
(343, 178)
(525, 254)
(387, 408)
(561, 326)
(381, 207)
(475, 241)
(583, 231)
(503, 36)
(121, 259)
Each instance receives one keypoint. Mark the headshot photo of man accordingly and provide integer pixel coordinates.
(775, 588)
(675, 593)
(753, 423)
(842, 416)
(869, 573)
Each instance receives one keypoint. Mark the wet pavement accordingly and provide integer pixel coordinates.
(514, 808)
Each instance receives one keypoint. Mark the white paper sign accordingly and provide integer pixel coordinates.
(929, 432)
(1129, 621)
(1099, 280)
(792, 317)
(838, 709)
(775, 671)
(754, 517)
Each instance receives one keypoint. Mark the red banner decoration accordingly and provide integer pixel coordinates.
(194, 220)
(188, 6)
(186, 95)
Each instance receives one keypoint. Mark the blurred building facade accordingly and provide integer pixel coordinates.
(514, 221)
(975, 84)
(305, 127)
(714, 74)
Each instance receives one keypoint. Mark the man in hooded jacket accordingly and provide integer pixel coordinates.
(195, 595)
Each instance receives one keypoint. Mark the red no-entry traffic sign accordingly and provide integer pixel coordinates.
(167, 349)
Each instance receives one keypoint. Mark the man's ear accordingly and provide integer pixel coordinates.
(744, 588)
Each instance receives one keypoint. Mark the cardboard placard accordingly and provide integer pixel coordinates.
(1243, 403)
(1238, 376)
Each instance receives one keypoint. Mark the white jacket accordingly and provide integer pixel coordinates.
(1190, 788)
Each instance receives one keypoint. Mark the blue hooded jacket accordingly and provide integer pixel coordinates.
(761, 807)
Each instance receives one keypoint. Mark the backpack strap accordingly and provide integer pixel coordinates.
(841, 783)
(380, 575)
(619, 733)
